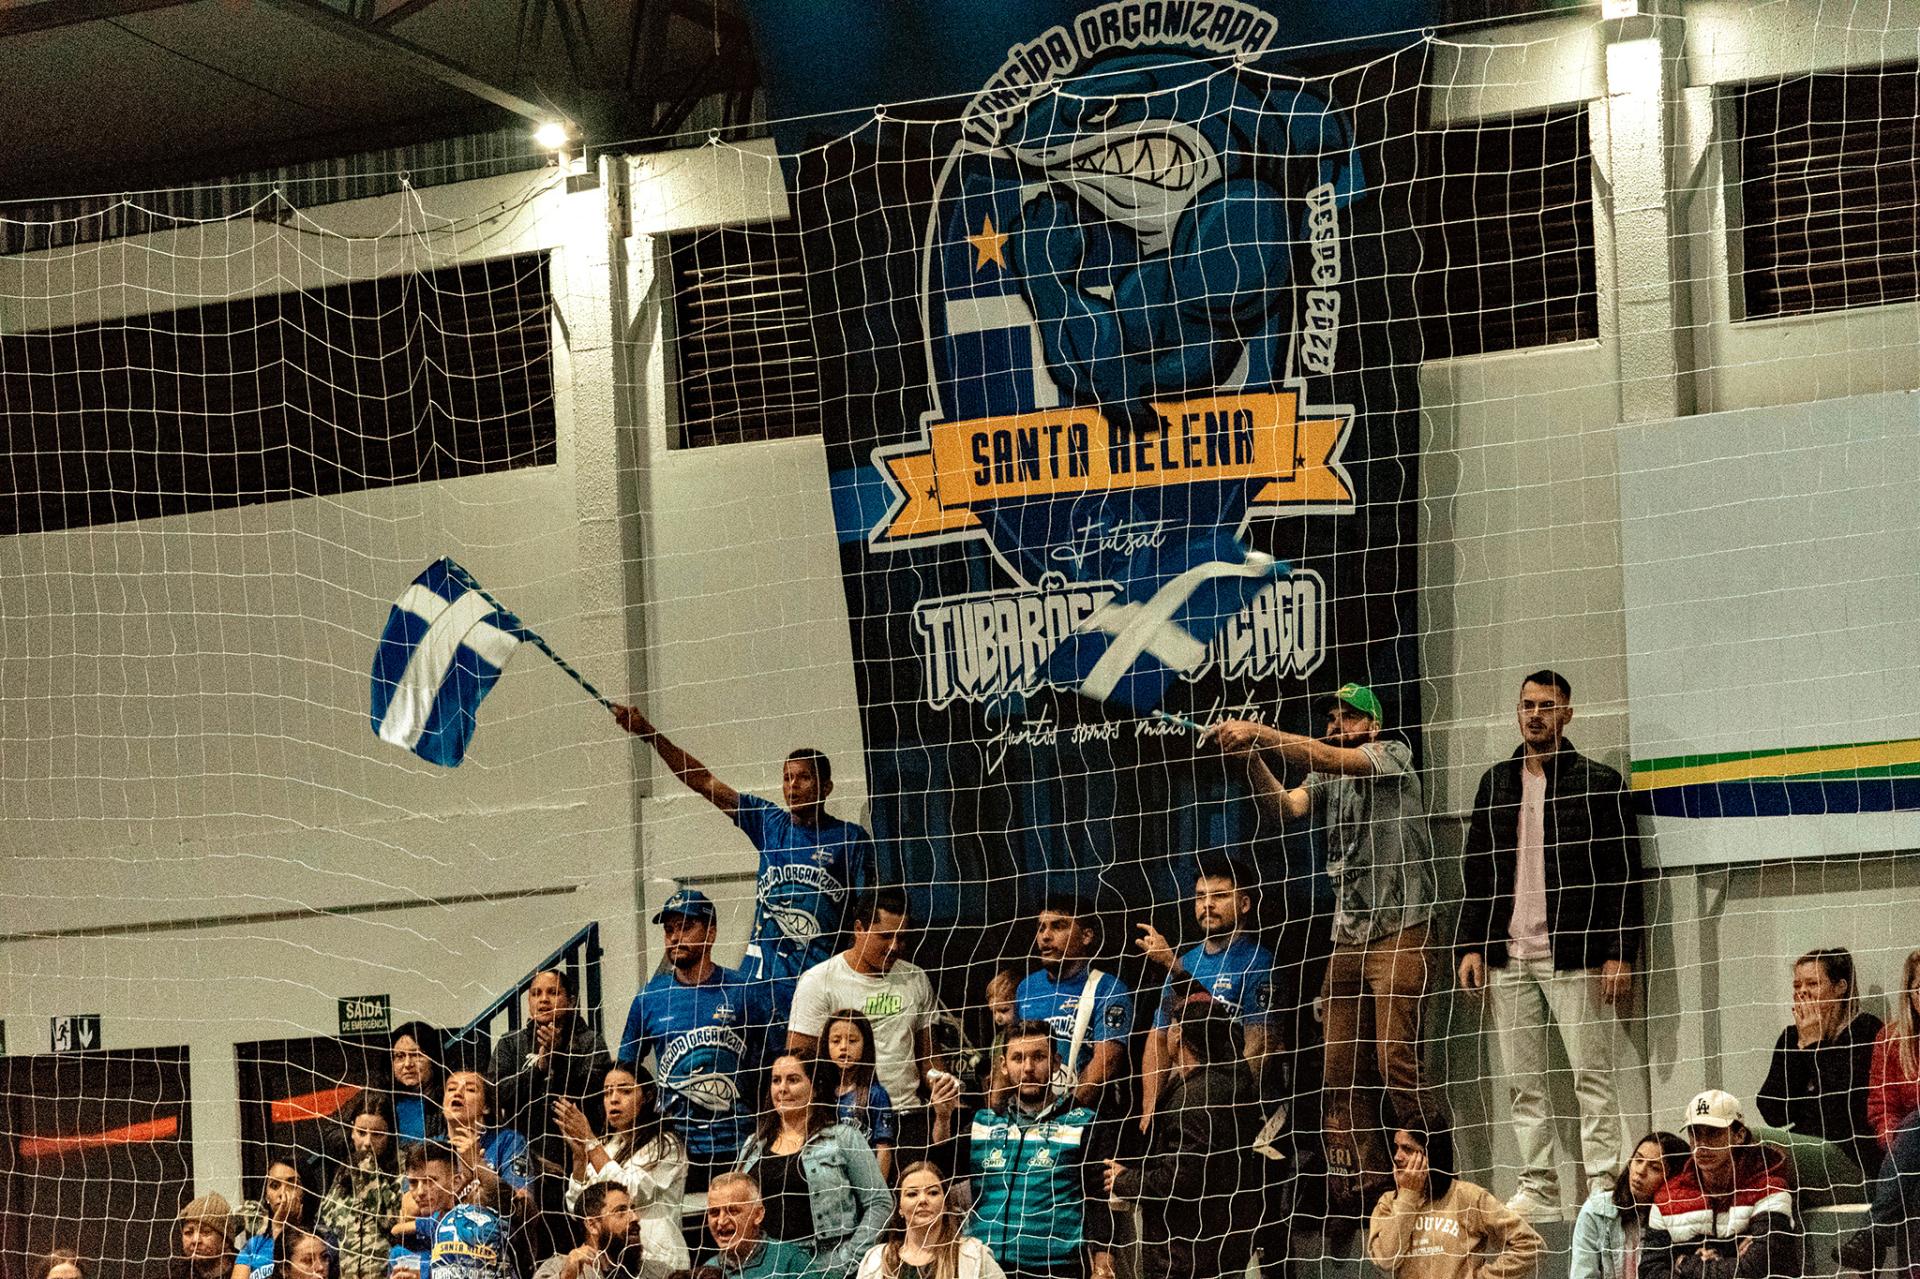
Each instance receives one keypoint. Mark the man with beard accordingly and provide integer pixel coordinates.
(1229, 966)
(1091, 1011)
(1364, 794)
(706, 1028)
(202, 1241)
(812, 864)
(1550, 925)
(612, 1248)
(736, 1218)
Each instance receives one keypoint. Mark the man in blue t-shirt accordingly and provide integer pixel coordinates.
(1229, 965)
(811, 864)
(706, 1029)
(1063, 937)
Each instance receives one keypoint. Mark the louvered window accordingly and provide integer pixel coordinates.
(1506, 234)
(337, 390)
(745, 355)
(1828, 180)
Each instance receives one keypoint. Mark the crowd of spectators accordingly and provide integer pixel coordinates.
(798, 1117)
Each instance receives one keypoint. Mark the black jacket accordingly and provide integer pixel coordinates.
(1594, 907)
(1201, 1186)
(1822, 1091)
(524, 1096)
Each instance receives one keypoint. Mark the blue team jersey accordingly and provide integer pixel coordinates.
(1240, 976)
(872, 1113)
(706, 1041)
(1040, 998)
(808, 876)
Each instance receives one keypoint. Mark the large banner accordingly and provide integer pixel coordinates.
(1120, 363)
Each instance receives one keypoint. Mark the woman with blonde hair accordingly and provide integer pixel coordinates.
(1815, 1093)
(1893, 1108)
(924, 1239)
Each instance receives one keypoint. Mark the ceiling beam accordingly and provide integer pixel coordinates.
(19, 20)
(434, 67)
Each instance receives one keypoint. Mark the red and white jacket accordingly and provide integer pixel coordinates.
(1761, 1186)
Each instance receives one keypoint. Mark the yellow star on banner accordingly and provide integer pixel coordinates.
(989, 245)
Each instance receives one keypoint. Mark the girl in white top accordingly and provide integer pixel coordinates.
(638, 1153)
(924, 1241)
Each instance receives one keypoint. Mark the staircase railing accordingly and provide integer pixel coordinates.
(578, 957)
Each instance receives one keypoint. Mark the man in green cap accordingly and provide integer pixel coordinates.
(1365, 795)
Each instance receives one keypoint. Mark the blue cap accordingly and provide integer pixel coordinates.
(689, 903)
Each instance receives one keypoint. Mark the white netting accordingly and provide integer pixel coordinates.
(1040, 465)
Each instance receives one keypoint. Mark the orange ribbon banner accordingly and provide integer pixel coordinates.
(1070, 451)
(39, 1147)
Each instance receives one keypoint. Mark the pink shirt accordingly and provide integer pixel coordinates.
(1527, 931)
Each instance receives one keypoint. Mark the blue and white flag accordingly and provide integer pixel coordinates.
(444, 645)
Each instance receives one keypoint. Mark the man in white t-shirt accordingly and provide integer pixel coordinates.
(870, 977)
(1551, 922)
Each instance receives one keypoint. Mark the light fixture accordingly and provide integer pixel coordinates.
(552, 136)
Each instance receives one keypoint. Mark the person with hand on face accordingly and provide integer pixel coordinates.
(555, 1056)
(1059, 992)
(1364, 793)
(359, 1208)
(613, 1247)
(812, 865)
(1551, 923)
(1728, 1213)
(706, 1029)
(283, 1210)
(736, 1218)
(640, 1154)
(428, 1197)
(415, 1097)
(1432, 1225)
(491, 1167)
(1229, 966)
(819, 1181)
(924, 1241)
(1814, 1098)
(1612, 1223)
(202, 1241)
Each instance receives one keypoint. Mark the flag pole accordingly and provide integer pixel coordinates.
(534, 638)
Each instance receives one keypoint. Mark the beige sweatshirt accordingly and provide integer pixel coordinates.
(1464, 1234)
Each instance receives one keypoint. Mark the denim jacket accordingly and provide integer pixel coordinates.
(847, 1194)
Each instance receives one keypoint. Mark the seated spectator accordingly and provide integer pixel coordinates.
(1728, 1213)
(819, 1183)
(359, 1208)
(492, 1161)
(302, 1254)
(871, 977)
(924, 1241)
(1608, 1233)
(613, 1247)
(736, 1218)
(640, 1154)
(1432, 1225)
(429, 1196)
(1893, 1108)
(862, 1100)
(1091, 1011)
(283, 1210)
(415, 1096)
(1815, 1094)
(556, 1055)
(1200, 1186)
(1037, 1166)
(202, 1240)
(61, 1263)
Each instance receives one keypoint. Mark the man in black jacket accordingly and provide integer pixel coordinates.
(1551, 922)
(1199, 1188)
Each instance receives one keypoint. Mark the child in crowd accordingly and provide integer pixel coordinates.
(859, 1098)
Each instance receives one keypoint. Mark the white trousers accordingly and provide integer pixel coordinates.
(1532, 1002)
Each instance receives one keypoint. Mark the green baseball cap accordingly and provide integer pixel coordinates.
(1361, 698)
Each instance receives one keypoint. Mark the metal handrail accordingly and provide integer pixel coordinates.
(579, 955)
